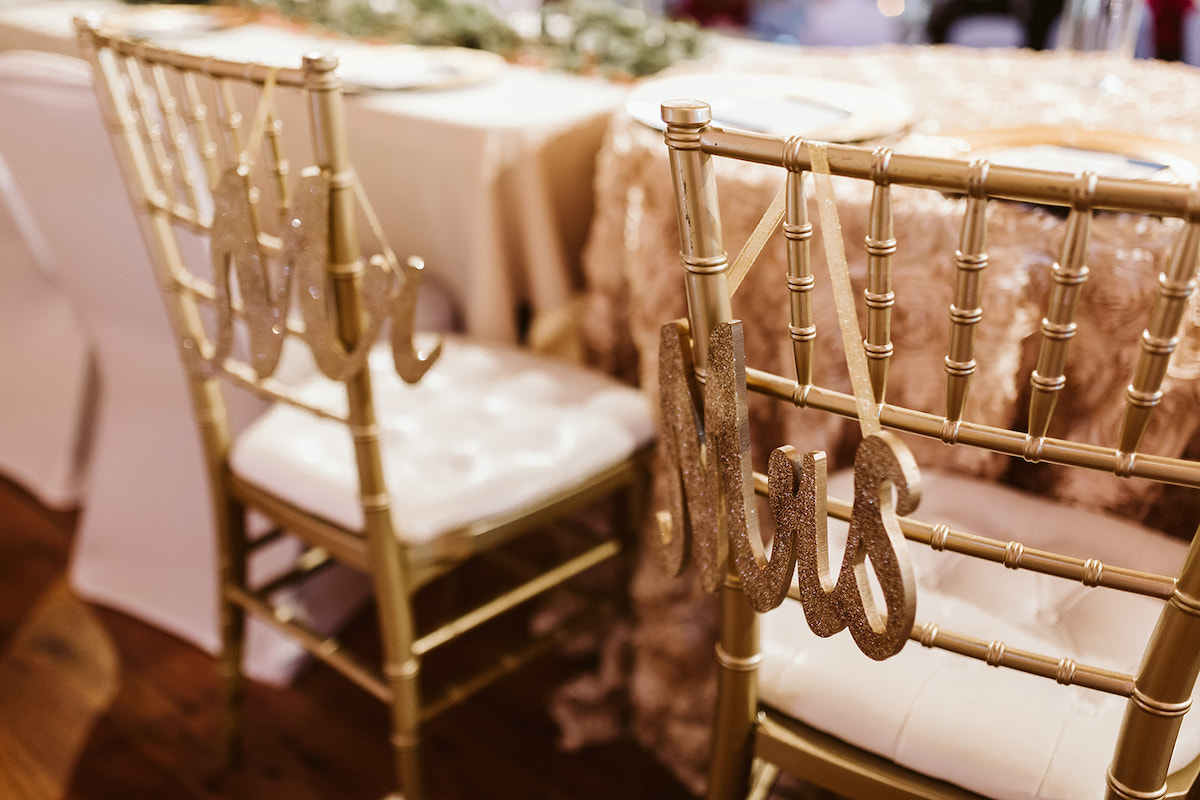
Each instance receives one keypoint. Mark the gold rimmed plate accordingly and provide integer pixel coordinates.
(1110, 154)
(157, 20)
(782, 105)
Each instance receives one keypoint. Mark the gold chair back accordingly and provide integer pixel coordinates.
(268, 290)
(716, 403)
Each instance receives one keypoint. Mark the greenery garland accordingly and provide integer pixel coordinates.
(616, 40)
(577, 35)
(592, 36)
(426, 22)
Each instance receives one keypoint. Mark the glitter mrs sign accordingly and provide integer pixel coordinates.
(388, 292)
(706, 434)
(705, 439)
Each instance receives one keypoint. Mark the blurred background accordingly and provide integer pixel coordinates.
(1163, 29)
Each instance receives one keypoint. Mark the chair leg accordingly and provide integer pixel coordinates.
(737, 695)
(231, 682)
(406, 739)
(401, 671)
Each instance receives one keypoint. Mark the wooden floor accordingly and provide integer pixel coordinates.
(322, 739)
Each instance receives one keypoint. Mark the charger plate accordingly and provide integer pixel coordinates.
(1111, 154)
(783, 105)
(162, 19)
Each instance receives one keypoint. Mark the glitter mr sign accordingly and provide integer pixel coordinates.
(389, 290)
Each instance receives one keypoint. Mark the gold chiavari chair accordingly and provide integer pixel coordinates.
(941, 658)
(401, 460)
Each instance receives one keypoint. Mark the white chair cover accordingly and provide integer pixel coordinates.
(47, 377)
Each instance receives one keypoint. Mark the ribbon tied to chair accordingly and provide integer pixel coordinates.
(712, 510)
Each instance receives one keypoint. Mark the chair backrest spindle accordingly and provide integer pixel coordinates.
(200, 126)
(1176, 285)
(1059, 326)
(799, 231)
(881, 247)
(966, 310)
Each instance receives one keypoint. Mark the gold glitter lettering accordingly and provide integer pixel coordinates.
(692, 486)
(886, 485)
(706, 447)
(306, 251)
(236, 250)
(387, 291)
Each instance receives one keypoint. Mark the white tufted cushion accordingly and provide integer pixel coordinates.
(487, 429)
(998, 732)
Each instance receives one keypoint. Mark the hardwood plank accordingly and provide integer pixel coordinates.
(59, 665)
(34, 542)
(320, 739)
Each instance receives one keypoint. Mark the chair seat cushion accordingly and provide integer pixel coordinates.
(995, 731)
(487, 430)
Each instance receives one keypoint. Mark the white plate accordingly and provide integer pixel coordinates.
(783, 105)
(1078, 159)
(401, 66)
(1110, 154)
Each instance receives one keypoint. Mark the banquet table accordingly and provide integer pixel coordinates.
(959, 99)
(489, 182)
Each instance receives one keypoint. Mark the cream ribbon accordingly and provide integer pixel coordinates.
(758, 239)
(843, 294)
